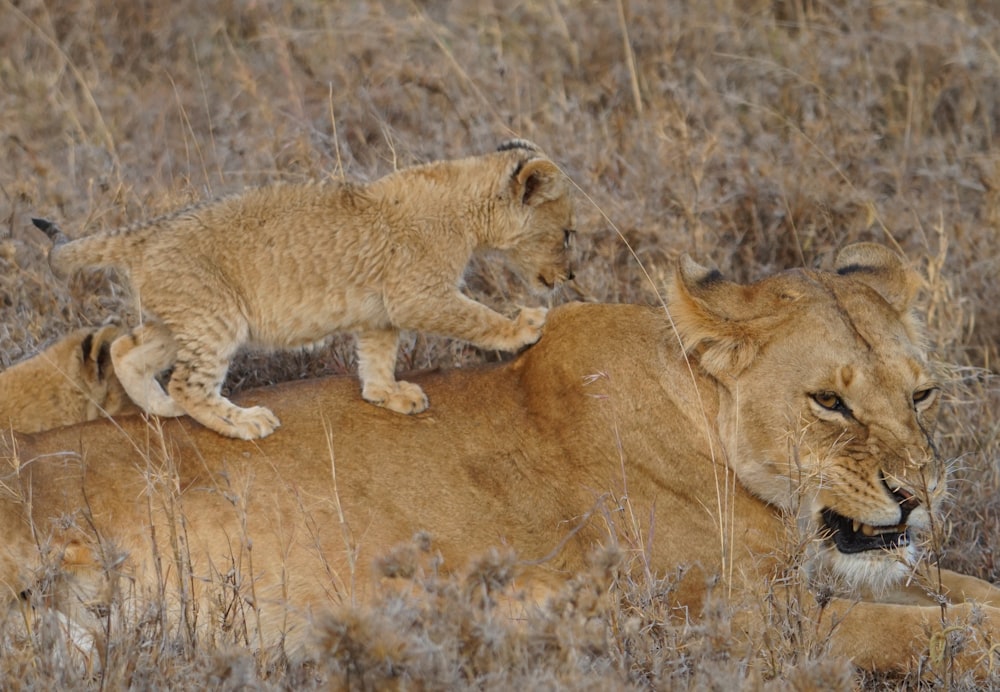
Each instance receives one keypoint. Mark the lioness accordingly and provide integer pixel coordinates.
(70, 381)
(802, 402)
(286, 266)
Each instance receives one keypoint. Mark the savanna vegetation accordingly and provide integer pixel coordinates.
(755, 136)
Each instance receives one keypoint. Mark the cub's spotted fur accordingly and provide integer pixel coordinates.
(285, 266)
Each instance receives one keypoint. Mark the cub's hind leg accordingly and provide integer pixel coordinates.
(138, 357)
(377, 371)
(199, 372)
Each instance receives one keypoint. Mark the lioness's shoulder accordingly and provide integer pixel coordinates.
(582, 340)
(603, 323)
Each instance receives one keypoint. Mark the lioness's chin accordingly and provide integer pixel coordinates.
(871, 572)
(864, 558)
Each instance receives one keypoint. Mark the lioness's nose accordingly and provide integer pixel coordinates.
(907, 500)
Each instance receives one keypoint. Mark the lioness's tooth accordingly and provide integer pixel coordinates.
(879, 530)
(856, 525)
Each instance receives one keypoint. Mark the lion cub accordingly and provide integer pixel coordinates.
(70, 381)
(287, 265)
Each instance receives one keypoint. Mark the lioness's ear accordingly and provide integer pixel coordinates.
(880, 269)
(537, 181)
(709, 313)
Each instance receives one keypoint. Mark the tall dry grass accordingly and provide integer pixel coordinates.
(754, 135)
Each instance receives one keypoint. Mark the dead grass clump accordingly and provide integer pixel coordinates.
(474, 631)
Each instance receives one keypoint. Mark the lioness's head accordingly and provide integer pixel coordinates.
(828, 402)
(536, 225)
(71, 381)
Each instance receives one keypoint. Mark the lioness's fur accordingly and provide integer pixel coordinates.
(71, 381)
(810, 386)
(286, 266)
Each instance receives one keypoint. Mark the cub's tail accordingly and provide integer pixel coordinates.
(67, 255)
(54, 233)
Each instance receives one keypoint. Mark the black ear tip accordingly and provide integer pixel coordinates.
(86, 345)
(512, 144)
(42, 224)
(852, 269)
(103, 359)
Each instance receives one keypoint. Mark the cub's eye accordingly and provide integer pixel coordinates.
(831, 402)
(567, 237)
(923, 397)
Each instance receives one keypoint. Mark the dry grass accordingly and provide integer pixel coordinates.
(756, 135)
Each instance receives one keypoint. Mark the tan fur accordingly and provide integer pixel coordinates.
(600, 432)
(70, 381)
(286, 266)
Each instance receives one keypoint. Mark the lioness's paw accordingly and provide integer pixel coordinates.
(529, 325)
(249, 423)
(406, 398)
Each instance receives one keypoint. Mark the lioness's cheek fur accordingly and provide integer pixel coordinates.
(287, 265)
(772, 440)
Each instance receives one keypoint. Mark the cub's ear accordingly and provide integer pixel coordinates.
(537, 181)
(511, 144)
(714, 318)
(882, 270)
(96, 351)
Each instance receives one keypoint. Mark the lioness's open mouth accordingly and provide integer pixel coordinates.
(851, 536)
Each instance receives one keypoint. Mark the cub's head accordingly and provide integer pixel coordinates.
(69, 382)
(534, 216)
(829, 405)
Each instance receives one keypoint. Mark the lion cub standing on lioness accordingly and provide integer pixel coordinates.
(285, 266)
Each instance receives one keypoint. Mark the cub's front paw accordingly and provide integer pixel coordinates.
(406, 398)
(410, 398)
(251, 423)
(529, 325)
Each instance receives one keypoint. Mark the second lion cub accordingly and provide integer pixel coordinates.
(287, 265)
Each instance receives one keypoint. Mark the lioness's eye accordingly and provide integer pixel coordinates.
(924, 396)
(830, 401)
